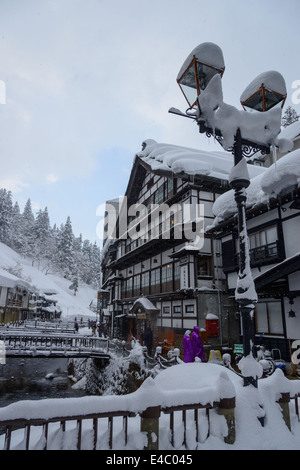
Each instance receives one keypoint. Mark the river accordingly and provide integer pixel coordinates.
(25, 379)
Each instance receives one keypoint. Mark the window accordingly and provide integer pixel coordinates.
(189, 308)
(263, 244)
(136, 284)
(203, 266)
(166, 273)
(177, 310)
(269, 318)
(129, 286)
(145, 279)
(166, 310)
(155, 276)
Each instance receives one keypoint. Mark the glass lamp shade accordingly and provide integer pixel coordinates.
(264, 92)
(201, 65)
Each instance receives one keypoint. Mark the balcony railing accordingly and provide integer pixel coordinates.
(263, 253)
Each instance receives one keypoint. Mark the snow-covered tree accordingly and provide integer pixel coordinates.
(74, 285)
(65, 249)
(6, 207)
(16, 234)
(56, 248)
(41, 236)
(290, 116)
(27, 221)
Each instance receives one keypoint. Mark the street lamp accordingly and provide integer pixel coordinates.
(200, 81)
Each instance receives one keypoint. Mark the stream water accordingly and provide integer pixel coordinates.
(26, 379)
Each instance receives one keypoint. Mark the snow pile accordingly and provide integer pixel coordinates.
(283, 174)
(206, 53)
(183, 383)
(35, 279)
(172, 159)
(270, 80)
(262, 128)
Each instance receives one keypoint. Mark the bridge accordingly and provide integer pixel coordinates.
(22, 343)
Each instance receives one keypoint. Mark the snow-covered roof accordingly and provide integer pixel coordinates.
(207, 53)
(292, 131)
(144, 302)
(282, 174)
(9, 280)
(183, 160)
(271, 80)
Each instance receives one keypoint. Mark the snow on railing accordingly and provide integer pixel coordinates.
(56, 423)
(30, 343)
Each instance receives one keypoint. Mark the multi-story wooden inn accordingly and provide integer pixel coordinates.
(273, 224)
(158, 266)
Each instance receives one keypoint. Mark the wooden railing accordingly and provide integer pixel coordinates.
(33, 343)
(148, 419)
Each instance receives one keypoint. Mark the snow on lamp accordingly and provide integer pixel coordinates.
(205, 61)
(264, 92)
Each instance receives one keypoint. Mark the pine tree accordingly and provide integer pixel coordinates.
(65, 249)
(16, 234)
(41, 236)
(290, 116)
(6, 207)
(27, 221)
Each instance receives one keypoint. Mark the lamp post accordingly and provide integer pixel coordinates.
(200, 81)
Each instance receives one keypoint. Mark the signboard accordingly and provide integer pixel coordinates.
(184, 277)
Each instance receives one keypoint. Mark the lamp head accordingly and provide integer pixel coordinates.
(264, 92)
(205, 61)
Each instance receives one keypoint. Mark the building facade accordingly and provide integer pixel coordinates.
(159, 267)
(273, 224)
(14, 298)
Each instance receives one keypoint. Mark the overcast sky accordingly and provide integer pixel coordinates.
(87, 81)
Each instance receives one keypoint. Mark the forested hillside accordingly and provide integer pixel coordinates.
(52, 249)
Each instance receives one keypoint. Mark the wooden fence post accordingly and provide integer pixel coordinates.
(284, 405)
(227, 409)
(150, 425)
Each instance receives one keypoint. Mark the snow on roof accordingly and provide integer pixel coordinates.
(9, 280)
(282, 174)
(183, 160)
(145, 303)
(271, 80)
(292, 131)
(207, 53)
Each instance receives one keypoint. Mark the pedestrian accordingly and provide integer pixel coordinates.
(76, 326)
(188, 353)
(198, 348)
(148, 339)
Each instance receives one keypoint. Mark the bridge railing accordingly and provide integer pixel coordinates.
(18, 341)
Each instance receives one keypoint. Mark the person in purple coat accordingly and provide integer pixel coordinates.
(197, 344)
(188, 352)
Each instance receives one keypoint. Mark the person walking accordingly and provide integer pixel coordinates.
(188, 353)
(148, 339)
(198, 348)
